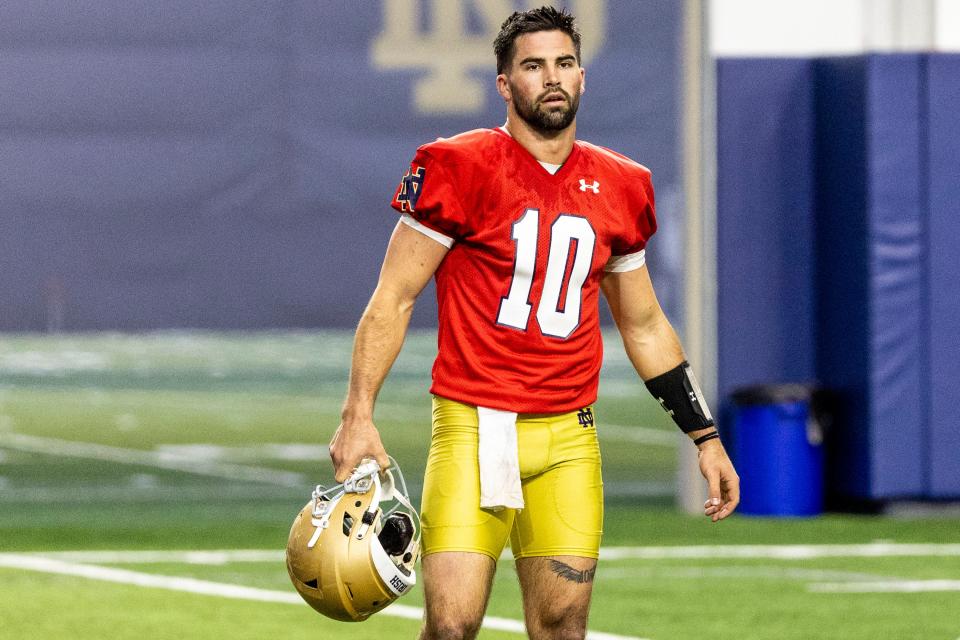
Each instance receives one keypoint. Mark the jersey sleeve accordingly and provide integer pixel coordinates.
(628, 251)
(428, 201)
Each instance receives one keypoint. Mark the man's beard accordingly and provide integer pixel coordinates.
(544, 120)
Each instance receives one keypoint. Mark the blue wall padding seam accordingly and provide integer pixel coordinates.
(944, 278)
(894, 211)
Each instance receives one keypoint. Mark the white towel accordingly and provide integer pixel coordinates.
(499, 461)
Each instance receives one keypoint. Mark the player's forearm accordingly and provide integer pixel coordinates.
(376, 345)
(652, 347)
(655, 352)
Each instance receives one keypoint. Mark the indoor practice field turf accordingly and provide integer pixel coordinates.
(147, 483)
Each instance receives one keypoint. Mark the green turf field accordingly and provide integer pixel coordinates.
(122, 458)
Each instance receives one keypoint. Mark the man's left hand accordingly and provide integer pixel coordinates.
(722, 481)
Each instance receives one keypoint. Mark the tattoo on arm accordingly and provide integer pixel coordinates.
(567, 572)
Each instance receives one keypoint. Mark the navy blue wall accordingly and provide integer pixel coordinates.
(229, 164)
(866, 180)
(870, 215)
(841, 195)
(943, 293)
(765, 195)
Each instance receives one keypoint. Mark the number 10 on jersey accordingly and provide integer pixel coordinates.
(569, 234)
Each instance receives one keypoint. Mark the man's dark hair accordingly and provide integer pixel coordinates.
(520, 22)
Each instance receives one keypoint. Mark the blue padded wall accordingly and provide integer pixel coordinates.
(838, 239)
(765, 228)
(841, 346)
(943, 90)
(871, 207)
(896, 213)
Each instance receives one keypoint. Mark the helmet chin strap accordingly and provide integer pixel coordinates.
(397, 481)
(370, 515)
(322, 508)
(324, 502)
(364, 478)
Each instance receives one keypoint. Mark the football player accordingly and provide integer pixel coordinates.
(522, 226)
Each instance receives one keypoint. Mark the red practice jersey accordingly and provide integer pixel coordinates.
(518, 291)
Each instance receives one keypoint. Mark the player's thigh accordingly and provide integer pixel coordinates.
(456, 590)
(451, 517)
(556, 538)
(556, 595)
(563, 514)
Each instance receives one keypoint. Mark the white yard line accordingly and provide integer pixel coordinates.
(286, 451)
(206, 459)
(783, 552)
(225, 590)
(780, 552)
(212, 557)
(123, 576)
(769, 572)
(128, 492)
(72, 449)
(886, 586)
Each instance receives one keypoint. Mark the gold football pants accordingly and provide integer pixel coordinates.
(560, 476)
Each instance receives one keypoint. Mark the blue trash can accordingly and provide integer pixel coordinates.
(778, 450)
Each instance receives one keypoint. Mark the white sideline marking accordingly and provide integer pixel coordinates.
(127, 493)
(204, 459)
(165, 491)
(772, 572)
(213, 557)
(288, 451)
(123, 576)
(239, 592)
(783, 552)
(68, 448)
(886, 586)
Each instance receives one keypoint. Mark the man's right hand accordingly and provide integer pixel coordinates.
(353, 441)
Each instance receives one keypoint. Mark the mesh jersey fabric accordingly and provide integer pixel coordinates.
(518, 291)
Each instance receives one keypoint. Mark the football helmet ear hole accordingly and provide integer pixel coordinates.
(347, 524)
(396, 533)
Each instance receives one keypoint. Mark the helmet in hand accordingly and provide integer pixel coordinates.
(353, 547)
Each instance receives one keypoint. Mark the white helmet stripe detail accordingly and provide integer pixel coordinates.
(395, 579)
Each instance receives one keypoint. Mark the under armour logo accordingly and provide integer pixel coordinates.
(595, 187)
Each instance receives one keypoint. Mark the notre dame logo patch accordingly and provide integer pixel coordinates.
(585, 417)
(410, 187)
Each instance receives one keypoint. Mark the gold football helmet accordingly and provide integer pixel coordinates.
(353, 547)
